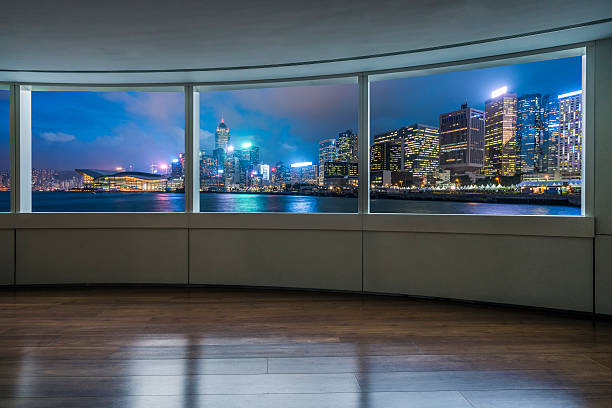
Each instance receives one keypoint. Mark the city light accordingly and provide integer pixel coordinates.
(230, 148)
(220, 171)
(499, 91)
(565, 95)
(175, 160)
(163, 167)
(247, 145)
(301, 164)
(119, 168)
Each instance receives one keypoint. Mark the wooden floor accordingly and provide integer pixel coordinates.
(111, 348)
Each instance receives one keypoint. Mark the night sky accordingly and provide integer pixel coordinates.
(107, 130)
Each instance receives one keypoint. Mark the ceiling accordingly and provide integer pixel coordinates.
(137, 35)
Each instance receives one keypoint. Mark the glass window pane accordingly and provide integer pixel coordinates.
(503, 140)
(5, 158)
(107, 151)
(283, 149)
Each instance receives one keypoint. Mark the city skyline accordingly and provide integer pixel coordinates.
(108, 130)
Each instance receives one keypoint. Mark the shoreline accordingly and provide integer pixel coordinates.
(566, 200)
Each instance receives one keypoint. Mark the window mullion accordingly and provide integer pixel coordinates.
(21, 149)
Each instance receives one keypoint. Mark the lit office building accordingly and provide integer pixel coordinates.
(209, 172)
(528, 133)
(549, 144)
(500, 134)
(176, 168)
(327, 152)
(222, 136)
(280, 174)
(264, 170)
(462, 140)
(347, 147)
(386, 156)
(304, 173)
(421, 150)
(333, 169)
(570, 134)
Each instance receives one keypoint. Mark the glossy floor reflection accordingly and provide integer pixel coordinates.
(193, 347)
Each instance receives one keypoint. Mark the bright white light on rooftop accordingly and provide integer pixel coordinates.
(230, 148)
(565, 95)
(246, 145)
(499, 91)
(301, 164)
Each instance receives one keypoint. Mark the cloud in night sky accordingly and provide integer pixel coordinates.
(58, 137)
(109, 129)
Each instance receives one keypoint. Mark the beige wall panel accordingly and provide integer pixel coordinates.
(535, 271)
(7, 256)
(603, 274)
(283, 258)
(48, 256)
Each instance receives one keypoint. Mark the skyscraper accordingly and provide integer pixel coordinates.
(347, 147)
(304, 173)
(462, 140)
(421, 150)
(387, 156)
(500, 134)
(222, 136)
(549, 144)
(528, 133)
(327, 152)
(570, 134)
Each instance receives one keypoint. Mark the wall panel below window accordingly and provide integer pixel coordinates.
(7, 256)
(603, 274)
(65, 256)
(281, 258)
(551, 272)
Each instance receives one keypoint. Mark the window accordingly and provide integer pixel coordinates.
(5, 158)
(281, 149)
(503, 140)
(107, 151)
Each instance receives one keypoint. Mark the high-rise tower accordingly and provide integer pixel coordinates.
(570, 134)
(549, 144)
(327, 153)
(528, 133)
(222, 136)
(462, 140)
(500, 134)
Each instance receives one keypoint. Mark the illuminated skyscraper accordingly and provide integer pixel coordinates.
(528, 133)
(209, 175)
(327, 152)
(280, 174)
(304, 173)
(421, 150)
(462, 140)
(176, 168)
(387, 156)
(500, 134)
(347, 147)
(570, 134)
(222, 136)
(549, 145)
